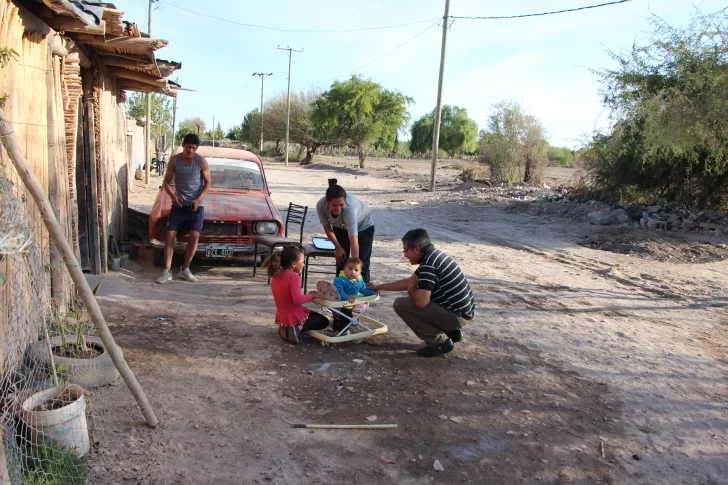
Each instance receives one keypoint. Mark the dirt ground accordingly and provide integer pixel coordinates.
(581, 366)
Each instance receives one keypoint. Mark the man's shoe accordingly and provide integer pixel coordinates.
(456, 335)
(166, 276)
(186, 274)
(443, 348)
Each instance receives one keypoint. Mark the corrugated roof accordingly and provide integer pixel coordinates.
(128, 54)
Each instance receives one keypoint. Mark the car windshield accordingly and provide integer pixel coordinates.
(226, 173)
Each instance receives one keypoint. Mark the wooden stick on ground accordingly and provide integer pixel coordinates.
(56, 233)
(343, 426)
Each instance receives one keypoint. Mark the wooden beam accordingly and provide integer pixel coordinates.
(129, 85)
(138, 76)
(83, 58)
(128, 62)
(72, 24)
(137, 43)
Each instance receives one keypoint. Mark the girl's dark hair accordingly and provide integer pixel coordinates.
(335, 191)
(281, 260)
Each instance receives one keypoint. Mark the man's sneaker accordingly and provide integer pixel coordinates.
(186, 274)
(443, 348)
(166, 276)
(456, 335)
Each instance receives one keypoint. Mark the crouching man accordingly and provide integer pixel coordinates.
(440, 300)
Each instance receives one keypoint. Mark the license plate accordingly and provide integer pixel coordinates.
(218, 253)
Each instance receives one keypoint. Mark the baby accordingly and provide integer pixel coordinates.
(349, 284)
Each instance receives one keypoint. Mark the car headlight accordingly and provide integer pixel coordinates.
(266, 227)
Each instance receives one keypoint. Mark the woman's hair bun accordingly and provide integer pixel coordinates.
(332, 182)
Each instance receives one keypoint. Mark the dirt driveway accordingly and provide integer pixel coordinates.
(581, 366)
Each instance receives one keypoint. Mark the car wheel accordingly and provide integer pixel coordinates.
(158, 257)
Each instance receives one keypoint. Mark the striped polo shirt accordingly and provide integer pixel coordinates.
(440, 274)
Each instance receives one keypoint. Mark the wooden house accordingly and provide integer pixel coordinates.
(64, 94)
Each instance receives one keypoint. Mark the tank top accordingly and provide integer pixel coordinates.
(188, 180)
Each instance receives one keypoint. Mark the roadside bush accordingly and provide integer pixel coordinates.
(669, 97)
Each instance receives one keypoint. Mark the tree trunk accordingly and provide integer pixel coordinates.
(310, 152)
(362, 154)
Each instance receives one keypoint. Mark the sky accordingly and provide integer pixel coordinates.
(545, 63)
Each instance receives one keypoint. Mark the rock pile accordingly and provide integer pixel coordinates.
(663, 216)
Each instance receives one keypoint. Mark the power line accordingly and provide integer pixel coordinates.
(340, 21)
(278, 29)
(502, 17)
(382, 57)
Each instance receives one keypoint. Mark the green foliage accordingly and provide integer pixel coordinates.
(360, 113)
(50, 464)
(513, 145)
(458, 132)
(6, 55)
(250, 127)
(217, 135)
(161, 114)
(669, 99)
(193, 125)
(561, 155)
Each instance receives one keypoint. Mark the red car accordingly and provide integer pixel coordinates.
(237, 208)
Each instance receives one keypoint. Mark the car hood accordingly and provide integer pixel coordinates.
(227, 206)
(238, 207)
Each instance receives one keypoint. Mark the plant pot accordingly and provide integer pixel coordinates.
(87, 373)
(115, 264)
(67, 424)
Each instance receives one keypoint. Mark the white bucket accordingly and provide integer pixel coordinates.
(66, 425)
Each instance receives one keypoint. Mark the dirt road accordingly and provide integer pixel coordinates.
(581, 366)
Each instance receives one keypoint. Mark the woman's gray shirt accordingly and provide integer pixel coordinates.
(355, 217)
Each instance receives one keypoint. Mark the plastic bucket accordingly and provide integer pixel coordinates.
(67, 425)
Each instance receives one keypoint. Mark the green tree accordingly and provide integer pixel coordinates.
(194, 125)
(458, 132)
(250, 127)
(669, 100)
(514, 144)
(560, 155)
(161, 114)
(360, 113)
(217, 135)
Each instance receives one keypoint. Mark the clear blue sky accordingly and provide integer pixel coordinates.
(543, 62)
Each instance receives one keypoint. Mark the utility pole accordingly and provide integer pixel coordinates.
(174, 124)
(213, 130)
(288, 99)
(438, 109)
(262, 78)
(147, 150)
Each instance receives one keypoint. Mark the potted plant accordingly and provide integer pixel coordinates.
(58, 414)
(80, 358)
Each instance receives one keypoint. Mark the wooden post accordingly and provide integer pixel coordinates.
(58, 290)
(57, 236)
(92, 206)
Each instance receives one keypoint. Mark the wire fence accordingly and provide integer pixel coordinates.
(55, 392)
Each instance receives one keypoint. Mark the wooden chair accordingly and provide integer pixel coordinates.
(296, 216)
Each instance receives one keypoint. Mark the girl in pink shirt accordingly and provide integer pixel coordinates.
(292, 318)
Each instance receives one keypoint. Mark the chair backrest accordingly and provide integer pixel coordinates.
(296, 215)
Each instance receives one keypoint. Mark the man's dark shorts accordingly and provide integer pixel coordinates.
(184, 218)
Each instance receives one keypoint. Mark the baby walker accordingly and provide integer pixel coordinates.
(359, 326)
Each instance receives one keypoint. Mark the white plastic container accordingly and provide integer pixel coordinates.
(67, 425)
